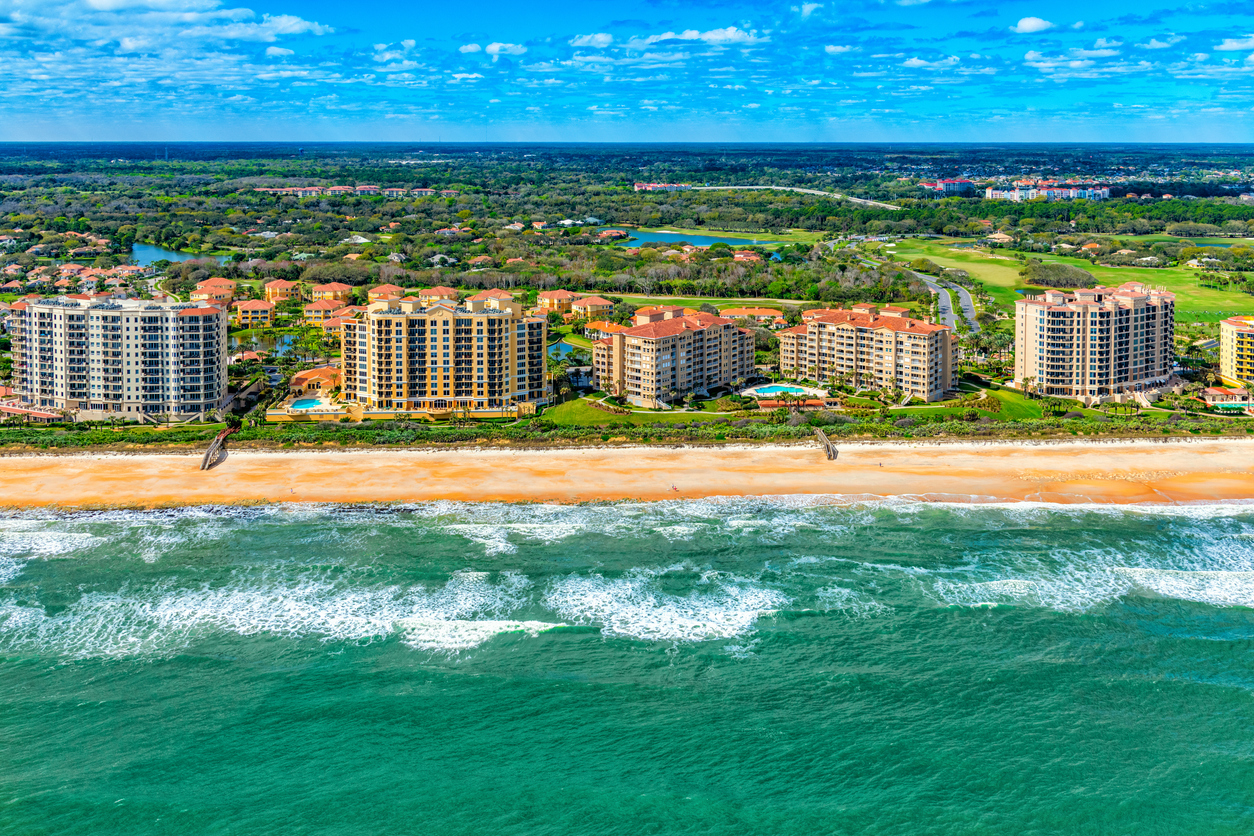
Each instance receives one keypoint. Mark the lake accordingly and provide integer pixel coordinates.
(275, 346)
(146, 254)
(641, 238)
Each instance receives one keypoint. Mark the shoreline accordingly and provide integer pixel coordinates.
(1165, 471)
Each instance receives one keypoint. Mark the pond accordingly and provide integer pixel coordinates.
(640, 238)
(146, 254)
(274, 346)
(561, 349)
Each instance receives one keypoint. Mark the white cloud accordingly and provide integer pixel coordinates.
(470, 48)
(930, 65)
(1079, 24)
(728, 35)
(599, 40)
(466, 76)
(1236, 44)
(1031, 24)
(498, 49)
(1102, 43)
(807, 9)
(1154, 43)
(278, 51)
(831, 49)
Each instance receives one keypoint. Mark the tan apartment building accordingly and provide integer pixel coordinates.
(118, 358)
(280, 290)
(318, 312)
(384, 291)
(1236, 350)
(333, 291)
(590, 307)
(214, 291)
(1096, 342)
(659, 362)
(556, 300)
(408, 356)
(876, 347)
(255, 313)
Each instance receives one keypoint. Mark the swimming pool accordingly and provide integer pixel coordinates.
(308, 403)
(779, 390)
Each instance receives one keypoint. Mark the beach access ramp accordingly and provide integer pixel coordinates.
(215, 448)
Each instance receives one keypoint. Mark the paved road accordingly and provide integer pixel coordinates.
(858, 200)
(968, 306)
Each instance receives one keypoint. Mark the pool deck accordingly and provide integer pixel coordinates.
(782, 388)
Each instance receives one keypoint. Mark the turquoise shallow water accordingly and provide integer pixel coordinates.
(703, 667)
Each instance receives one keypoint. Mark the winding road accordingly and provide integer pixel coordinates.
(860, 201)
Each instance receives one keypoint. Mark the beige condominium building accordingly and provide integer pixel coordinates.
(407, 355)
(659, 362)
(1094, 343)
(1236, 350)
(119, 358)
(876, 346)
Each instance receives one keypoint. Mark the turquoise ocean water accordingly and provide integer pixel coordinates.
(694, 667)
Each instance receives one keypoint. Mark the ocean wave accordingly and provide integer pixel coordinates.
(163, 620)
(633, 606)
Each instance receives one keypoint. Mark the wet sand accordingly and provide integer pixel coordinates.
(1142, 472)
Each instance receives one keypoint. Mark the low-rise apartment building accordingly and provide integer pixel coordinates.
(1096, 342)
(879, 347)
(255, 313)
(556, 300)
(280, 290)
(334, 291)
(1236, 350)
(659, 362)
(405, 355)
(118, 358)
(214, 291)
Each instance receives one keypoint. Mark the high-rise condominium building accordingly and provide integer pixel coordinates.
(1095, 342)
(410, 356)
(1236, 350)
(879, 347)
(658, 362)
(119, 358)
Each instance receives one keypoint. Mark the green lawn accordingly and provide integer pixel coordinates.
(999, 272)
(579, 413)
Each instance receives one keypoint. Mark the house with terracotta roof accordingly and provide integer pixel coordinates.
(255, 313)
(590, 306)
(556, 300)
(367, 190)
(747, 255)
(218, 290)
(349, 310)
(317, 312)
(320, 379)
(874, 347)
(485, 295)
(657, 363)
(435, 294)
(281, 290)
(335, 291)
(481, 261)
(384, 291)
(765, 316)
(600, 329)
(333, 326)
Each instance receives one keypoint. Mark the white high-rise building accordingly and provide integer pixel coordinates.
(119, 358)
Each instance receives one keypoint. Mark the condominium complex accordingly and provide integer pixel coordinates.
(1096, 342)
(119, 358)
(1020, 193)
(876, 346)
(658, 362)
(405, 355)
(1236, 350)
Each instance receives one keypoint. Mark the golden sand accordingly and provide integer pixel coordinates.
(1142, 472)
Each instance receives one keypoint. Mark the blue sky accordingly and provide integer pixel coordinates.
(640, 70)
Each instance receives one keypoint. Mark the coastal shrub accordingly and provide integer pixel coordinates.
(1056, 275)
(1073, 414)
(904, 423)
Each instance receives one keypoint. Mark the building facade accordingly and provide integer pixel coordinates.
(659, 362)
(1095, 343)
(408, 356)
(1236, 350)
(119, 358)
(876, 347)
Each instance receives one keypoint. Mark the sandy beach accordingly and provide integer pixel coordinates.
(1138, 472)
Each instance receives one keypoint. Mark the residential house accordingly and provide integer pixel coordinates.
(335, 291)
(255, 313)
(591, 306)
(384, 291)
(437, 294)
(556, 300)
(317, 312)
(281, 290)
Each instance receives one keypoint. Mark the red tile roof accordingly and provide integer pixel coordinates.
(255, 305)
(677, 325)
(558, 294)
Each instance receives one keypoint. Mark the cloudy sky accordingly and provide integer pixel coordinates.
(637, 70)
